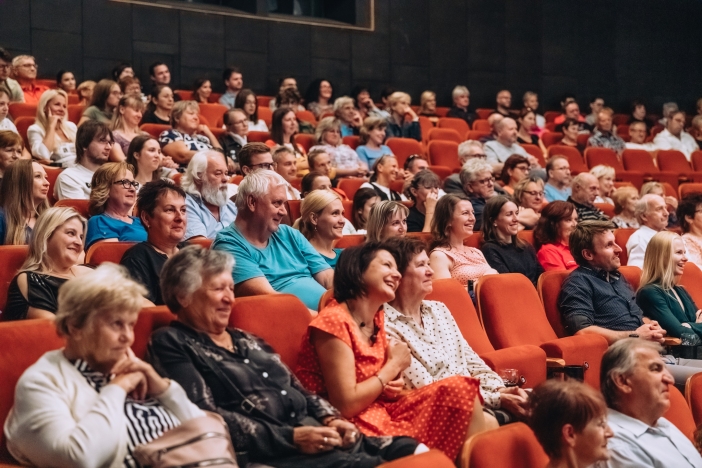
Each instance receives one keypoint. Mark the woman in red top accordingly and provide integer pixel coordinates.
(350, 334)
(558, 219)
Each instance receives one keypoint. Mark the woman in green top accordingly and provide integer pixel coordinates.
(660, 296)
(106, 96)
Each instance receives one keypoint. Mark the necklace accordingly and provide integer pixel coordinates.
(373, 336)
(117, 217)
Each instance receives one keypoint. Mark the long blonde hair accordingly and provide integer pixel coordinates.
(313, 204)
(46, 224)
(102, 183)
(380, 215)
(125, 101)
(43, 120)
(658, 267)
(18, 201)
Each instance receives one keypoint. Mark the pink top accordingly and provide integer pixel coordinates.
(555, 257)
(468, 265)
(693, 244)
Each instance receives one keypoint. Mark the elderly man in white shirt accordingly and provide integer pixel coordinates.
(635, 386)
(637, 137)
(674, 137)
(652, 215)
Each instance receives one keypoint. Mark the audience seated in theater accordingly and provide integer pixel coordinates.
(638, 114)
(52, 136)
(478, 185)
(209, 209)
(85, 92)
(320, 97)
(131, 86)
(671, 203)
(78, 405)
(385, 172)
(125, 125)
(315, 181)
(322, 223)
(461, 100)
(363, 202)
(559, 180)
(605, 135)
(7, 84)
(283, 131)
(660, 295)
(696, 130)
(438, 348)
(552, 236)
(597, 105)
(570, 130)
(625, 199)
(669, 108)
(634, 380)
(55, 255)
(348, 117)
(161, 76)
(571, 110)
(93, 146)
(158, 110)
(289, 98)
(122, 70)
(492, 120)
(423, 190)
(569, 419)
(24, 70)
(467, 150)
(529, 197)
(271, 257)
(384, 95)
(605, 176)
(11, 147)
(414, 164)
(188, 135)
(652, 216)
(144, 155)
(505, 145)
(6, 124)
(526, 121)
(344, 158)
(112, 200)
(386, 219)
(255, 156)
(531, 100)
(234, 82)
(285, 164)
(690, 215)
(586, 188)
(448, 256)
(427, 106)
(246, 100)
(320, 161)
(371, 140)
(364, 103)
(637, 137)
(202, 90)
(23, 197)
(105, 99)
(307, 430)
(162, 209)
(503, 102)
(674, 137)
(66, 81)
(503, 250)
(515, 169)
(403, 121)
(235, 121)
(349, 333)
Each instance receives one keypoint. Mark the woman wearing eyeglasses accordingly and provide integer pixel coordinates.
(529, 197)
(515, 169)
(112, 199)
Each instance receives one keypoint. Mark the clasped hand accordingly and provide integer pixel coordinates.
(137, 378)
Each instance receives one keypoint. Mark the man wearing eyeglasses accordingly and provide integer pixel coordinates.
(255, 156)
(558, 182)
(25, 70)
(7, 84)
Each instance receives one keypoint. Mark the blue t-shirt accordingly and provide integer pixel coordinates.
(101, 227)
(369, 156)
(552, 194)
(332, 261)
(287, 262)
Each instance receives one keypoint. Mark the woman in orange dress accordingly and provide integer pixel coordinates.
(350, 334)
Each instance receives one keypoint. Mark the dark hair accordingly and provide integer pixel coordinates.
(308, 180)
(153, 66)
(490, 213)
(410, 160)
(526, 110)
(636, 103)
(511, 162)
(229, 71)
(197, 84)
(240, 101)
(404, 249)
(87, 132)
(556, 403)
(424, 178)
(688, 207)
(595, 98)
(155, 92)
(546, 231)
(583, 236)
(148, 195)
(119, 68)
(277, 124)
(5, 56)
(568, 122)
(443, 213)
(101, 92)
(312, 93)
(135, 146)
(249, 150)
(348, 274)
(359, 201)
(60, 74)
(358, 89)
(286, 96)
(387, 91)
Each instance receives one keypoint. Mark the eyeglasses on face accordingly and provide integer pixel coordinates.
(535, 193)
(126, 183)
(265, 165)
(489, 180)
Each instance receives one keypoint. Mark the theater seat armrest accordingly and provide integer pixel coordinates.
(555, 362)
(433, 458)
(671, 341)
(581, 350)
(529, 360)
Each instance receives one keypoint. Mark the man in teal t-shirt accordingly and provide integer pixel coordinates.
(271, 257)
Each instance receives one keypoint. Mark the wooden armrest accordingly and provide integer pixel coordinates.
(671, 341)
(555, 362)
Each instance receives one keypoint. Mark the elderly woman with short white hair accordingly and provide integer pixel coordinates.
(188, 135)
(479, 184)
(348, 116)
(344, 158)
(84, 405)
(605, 176)
(52, 137)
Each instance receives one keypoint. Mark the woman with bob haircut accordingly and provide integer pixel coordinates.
(552, 236)
(93, 402)
(515, 169)
(427, 106)
(423, 190)
(660, 295)
(529, 197)
(689, 214)
(625, 199)
(112, 199)
(385, 172)
(125, 126)
(320, 97)
(52, 137)
(246, 100)
(371, 140)
(349, 333)
(569, 419)
(187, 135)
(344, 158)
(55, 254)
(387, 219)
(363, 202)
(322, 223)
(605, 176)
(103, 102)
(314, 181)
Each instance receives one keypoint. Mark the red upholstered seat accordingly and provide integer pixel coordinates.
(443, 153)
(214, 113)
(693, 395)
(575, 159)
(20, 109)
(551, 138)
(350, 240)
(11, 257)
(686, 189)
(305, 140)
(445, 134)
(621, 237)
(691, 279)
(403, 148)
(350, 186)
(154, 129)
(460, 125)
(101, 252)
(81, 206)
(679, 413)
(510, 446)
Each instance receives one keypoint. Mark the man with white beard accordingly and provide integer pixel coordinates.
(208, 207)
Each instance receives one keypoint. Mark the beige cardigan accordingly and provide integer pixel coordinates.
(59, 420)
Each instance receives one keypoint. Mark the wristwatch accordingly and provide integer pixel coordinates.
(634, 335)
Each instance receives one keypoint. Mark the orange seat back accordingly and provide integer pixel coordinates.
(443, 153)
(606, 208)
(595, 156)
(306, 116)
(442, 171)
(549, 287)
(679, 413)
(214, 113)
(350, 240)
(101, 252)
(265, 114)
(526, 236)
(510, 446)
(693, 395)
(154, 129)
(425, 125)
(673, 161)
(23, 124)
(483, 113)
(575, 159)
(264, 101)
(481, 125)
(551, 138)
(686, 189)
(632, 275)
(350, 186)
(696, 159)
(294, 209)
(81, 206)
(12, 258)
(460, 125)
(353, 141)
(325, 299)
(403, 148)
(550, 116)
(621, 237)
(445, 134)
(75, 112)
(150, 319)
(638, 160)
(475, 240)
(305, 140)
(185, 94)
(691, 279)
(20, 109)
(203, 242)
(259, 137)
(535, 151)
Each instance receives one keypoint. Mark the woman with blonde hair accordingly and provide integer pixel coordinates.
(605, 176)
(371, 140)
(85, 92)
(24, 197)
(125, 125)
(387, 219)
(55, 254)
(625, 199)
(427, 106)
(11, 148)
(322, 222)
(660, 295)
(398, 126)
(52, 137)
(112, 199)
(344, 158)
(103, 102)
(529, 196)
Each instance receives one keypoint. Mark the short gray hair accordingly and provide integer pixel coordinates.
(183, 273)
(464, 148)
(471, 169)
(196, 168)
(257, 183)
(620, 360)
(579, 180)
(641, 207)
(459, 91)
(669, 108)
(179, 109)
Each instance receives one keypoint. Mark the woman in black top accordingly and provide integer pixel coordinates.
(160, 106)
(423, 190)
(503, 250)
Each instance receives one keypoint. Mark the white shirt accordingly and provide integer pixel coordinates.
(7, 124)
(641, 146)
(636, 444)
(685, 144)
(636, 246)
(497, 153)
(74, 183)
(259, 126)
(385, 190)
(64, 151)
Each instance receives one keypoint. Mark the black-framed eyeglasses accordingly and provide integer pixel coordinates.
(126, 183)
(535, 193)
(265, 165)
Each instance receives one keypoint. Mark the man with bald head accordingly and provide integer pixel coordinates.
(504, 145)
(652, 215)
(585, 187)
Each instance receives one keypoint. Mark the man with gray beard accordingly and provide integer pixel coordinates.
(208, 207)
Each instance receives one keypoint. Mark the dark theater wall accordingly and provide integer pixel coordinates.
(622, 49)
